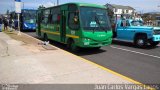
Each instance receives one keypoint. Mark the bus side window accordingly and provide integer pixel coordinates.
(49, 18)
(55, 15)
(73, 17)
(45, 17)
(73, 21)
(42, 19)
(55, 18)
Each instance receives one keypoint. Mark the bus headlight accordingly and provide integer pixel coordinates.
(86, 41)
(25, 25)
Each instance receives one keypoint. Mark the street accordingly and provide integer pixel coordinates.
(139, 64)
(82, 45)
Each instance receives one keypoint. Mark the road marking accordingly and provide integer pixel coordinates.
(103, 68)
(135, 52)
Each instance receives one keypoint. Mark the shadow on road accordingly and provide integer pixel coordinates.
(122, 43)
(89, 51)
(131, 45)
(81, 52)
(28, 31)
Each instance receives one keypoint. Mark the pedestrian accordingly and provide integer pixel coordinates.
(0, 24)
(5, 22)
(11, 22)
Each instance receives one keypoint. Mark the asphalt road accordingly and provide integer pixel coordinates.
(142, 65)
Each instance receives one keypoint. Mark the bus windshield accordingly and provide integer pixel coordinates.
(94, 19)
(137, 23)
(29, 16)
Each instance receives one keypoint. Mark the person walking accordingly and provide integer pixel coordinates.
(0, 24)
(11, 23)
(5, 22)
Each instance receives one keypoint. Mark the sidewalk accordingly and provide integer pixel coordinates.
(30, 63)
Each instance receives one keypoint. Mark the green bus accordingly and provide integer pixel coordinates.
(75, 24)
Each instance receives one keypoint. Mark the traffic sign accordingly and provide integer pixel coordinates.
(18, 6)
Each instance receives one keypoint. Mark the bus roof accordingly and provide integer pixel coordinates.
(81, 4)
(29, 9)
(89, 4)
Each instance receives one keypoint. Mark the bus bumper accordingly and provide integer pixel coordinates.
(156, 38)
(29, 28)
(90, 43)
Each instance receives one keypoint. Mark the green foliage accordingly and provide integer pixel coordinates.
(41, 7)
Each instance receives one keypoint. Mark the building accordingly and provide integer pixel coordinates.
(151, 19)
(119, 10)
(157, 20)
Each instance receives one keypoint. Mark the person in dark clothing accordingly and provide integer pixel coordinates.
(0, 20)
(5, 22)
(0, 24)
(10, 23)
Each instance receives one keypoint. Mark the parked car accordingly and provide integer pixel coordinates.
(134, 31)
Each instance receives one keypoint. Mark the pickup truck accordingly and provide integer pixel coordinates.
(134, 31)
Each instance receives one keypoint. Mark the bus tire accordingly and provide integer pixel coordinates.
(141, 41)
(97, 48)
(153, 44)
(71, 45)
(45, 37)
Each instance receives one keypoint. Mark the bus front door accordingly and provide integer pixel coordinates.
(63, 26)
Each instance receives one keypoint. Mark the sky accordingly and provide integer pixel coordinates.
(142, 6)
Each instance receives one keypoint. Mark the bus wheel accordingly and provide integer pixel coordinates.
(45, 37)
(72, 46)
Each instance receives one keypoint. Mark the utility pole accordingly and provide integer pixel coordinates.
(23, 4)
(18, 11)
(57, 2)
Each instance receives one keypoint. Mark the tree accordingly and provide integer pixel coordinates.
(41, 7)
